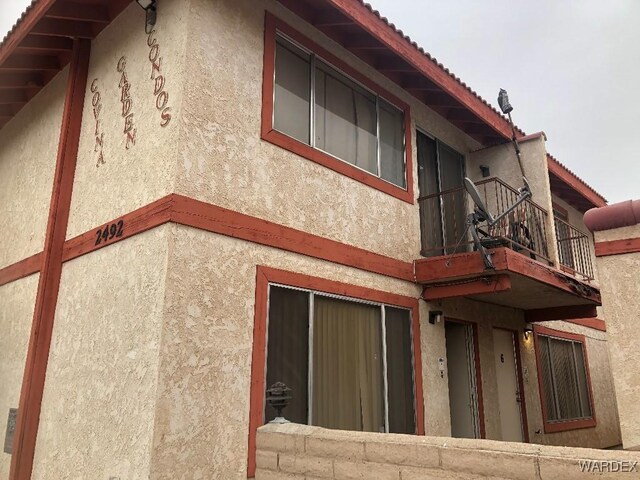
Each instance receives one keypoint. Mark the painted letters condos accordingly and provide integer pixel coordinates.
(262, 191)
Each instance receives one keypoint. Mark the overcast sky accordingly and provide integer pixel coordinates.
(571, 67)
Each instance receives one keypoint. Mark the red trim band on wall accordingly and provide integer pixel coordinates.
(618, 247)
(272, 25)
(21, 269)
(563, 425)
(49, 282)
(266, 275)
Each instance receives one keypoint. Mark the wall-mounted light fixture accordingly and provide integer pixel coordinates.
(486, 171)
(435, 316)
(528, 330)
(149, 6)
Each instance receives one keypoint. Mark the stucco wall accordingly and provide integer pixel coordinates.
(17, 300)
(225, 162)
(294, 451)
(100, 391)
(619, 287)
(131, 177)
(487, 316)
(203, 393)
(28, 151)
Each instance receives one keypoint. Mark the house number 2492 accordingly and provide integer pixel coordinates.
(109, 232)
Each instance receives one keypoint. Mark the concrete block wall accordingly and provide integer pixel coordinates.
(301, 452)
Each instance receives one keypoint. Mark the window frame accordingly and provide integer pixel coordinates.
(266, 276)
(273, 26)
(553, 426)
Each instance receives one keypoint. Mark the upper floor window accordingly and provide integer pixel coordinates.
(318, 107)
(564, 379)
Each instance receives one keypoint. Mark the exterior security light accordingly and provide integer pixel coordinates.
(435, 316)
(149, 6)
(503, 101)
(528, 330)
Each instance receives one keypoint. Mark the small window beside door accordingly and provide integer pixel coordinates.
(564, 380)
(318, 107)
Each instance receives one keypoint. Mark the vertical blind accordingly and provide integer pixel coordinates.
(319, 106)
(349, 364)
(564, 379)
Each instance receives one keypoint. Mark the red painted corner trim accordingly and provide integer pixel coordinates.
(21, 269)
(49, 281)
(595, 323)
(266, 275)
(563, 426)
(272, 25)
(478, 371)
(618, 247)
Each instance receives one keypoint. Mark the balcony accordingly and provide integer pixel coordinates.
(573, 250)
(524, 275)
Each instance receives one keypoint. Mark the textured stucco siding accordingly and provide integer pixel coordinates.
(100, 391)
(17, 300)
(225, 162)
(28, 151)
(619, 286)
(129, 178)
(204, 379)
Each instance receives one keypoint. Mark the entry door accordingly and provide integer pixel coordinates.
(508, 391)
(461, 370)
(443, 206)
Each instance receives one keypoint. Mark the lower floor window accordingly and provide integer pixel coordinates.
(564, 379)
(349, 363)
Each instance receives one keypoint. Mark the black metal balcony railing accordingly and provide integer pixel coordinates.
(524, 229)
(573, 249)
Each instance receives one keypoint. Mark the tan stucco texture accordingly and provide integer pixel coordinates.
(100, 391)
(203, 392)
(17, 300)
(130, 177)
(619, 286)
(28, 151)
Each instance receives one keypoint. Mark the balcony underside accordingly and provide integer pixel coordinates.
(517, 281)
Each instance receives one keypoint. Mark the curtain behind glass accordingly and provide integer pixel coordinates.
(565, 375)
(582, 380)
(430, 213)
(288, 349)
(345, 122)
(547, 379)
(400, 371)
(347, 366)
(292, 92)
(391, 144)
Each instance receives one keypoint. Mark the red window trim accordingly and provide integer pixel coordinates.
(266, 275)
(476, 361)
(562, 426)
(272, 25)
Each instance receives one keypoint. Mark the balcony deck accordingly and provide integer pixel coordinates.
(518, 281)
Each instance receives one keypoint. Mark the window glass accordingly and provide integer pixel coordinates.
(391, 144)
(400, 370)
(348, 369)
(292, 92)
(347, 366)
(288, 353)
(349, 122)
(564, 379)
(345, 120)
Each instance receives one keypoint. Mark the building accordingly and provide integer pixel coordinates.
(262, 191)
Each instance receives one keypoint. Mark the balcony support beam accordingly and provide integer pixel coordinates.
(561, 313)
(478, 286)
